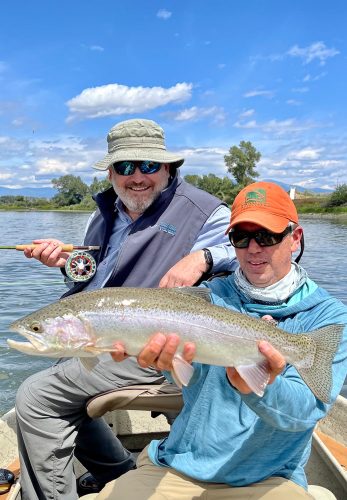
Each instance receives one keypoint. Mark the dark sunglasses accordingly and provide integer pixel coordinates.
(6, 480)
(241, 239)
(129, 167)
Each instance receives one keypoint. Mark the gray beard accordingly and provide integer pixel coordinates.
(133, 203)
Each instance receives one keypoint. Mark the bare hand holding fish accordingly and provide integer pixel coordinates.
(159, 352)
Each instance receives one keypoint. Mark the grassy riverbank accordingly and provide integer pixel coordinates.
(305, 204)
(304, 207)
(317, 205)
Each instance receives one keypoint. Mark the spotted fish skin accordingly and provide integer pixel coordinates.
(89, 323)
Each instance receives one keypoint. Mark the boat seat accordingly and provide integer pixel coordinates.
(157, 398)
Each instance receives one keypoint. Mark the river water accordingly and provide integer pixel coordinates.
(26, 285)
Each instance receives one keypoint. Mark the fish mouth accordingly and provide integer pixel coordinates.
(28, 348)
(34, 341)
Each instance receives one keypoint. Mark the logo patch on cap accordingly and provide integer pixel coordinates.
(256, 197)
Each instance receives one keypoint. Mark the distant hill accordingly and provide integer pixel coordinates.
(300, 189)
(31, 192)
(50, 192)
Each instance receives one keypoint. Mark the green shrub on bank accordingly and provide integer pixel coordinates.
(319, 204)
(19, 202)
(338, 197)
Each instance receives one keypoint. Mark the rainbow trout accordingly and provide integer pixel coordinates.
(89, 323)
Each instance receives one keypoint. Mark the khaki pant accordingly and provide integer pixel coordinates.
(150, 482)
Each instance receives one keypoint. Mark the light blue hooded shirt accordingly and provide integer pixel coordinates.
(223, 436)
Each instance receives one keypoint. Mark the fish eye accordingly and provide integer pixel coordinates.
(36, 327)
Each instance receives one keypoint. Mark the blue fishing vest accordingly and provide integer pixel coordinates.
(163, 234)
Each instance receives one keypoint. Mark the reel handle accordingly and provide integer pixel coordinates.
(65, 248)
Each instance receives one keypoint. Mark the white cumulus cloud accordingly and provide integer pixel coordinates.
(277, 127)
(195, 113)
(256, 93)
(300, 90)
(97, 48)
(164, 14)
(293, 102)
(204, 160)
(311, 78)
(56, 166)
(5, 175)
(317, 50)
(306, 154)
(115, 99)
(247, 113)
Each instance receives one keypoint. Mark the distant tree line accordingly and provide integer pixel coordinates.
(73, 194)
(24, 202)
(240, 162)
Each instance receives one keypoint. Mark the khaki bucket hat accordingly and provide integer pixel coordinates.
(137, 140)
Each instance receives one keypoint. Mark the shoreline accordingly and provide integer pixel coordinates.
(47, 210)
(311, 215)
(324, 215)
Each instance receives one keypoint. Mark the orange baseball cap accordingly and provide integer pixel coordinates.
(265, 204)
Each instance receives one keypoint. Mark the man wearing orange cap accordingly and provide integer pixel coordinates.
(228, 442)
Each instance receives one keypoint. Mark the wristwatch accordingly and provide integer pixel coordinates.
(208, 259)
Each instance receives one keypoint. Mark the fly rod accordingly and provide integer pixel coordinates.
(66, 248)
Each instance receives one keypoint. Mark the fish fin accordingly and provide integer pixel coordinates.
(95, 350)
(89, 363)
(175, 379)
(318, 377)
(194, 291)
(256, 376)
(182, 371)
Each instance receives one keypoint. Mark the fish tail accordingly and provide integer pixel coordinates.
(318, 376)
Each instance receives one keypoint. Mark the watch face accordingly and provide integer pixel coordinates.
(208, 258)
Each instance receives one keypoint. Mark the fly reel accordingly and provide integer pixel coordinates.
(80, 266)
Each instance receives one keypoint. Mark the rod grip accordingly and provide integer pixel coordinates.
(65, 248)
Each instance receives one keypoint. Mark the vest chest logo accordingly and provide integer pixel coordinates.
(168, 228)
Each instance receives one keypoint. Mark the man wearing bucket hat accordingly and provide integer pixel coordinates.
(228, 442)
(153, 229)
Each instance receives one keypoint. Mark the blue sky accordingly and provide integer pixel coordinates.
(212, 73)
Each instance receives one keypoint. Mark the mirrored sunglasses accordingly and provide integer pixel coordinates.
(241, 239)
(129, 167)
